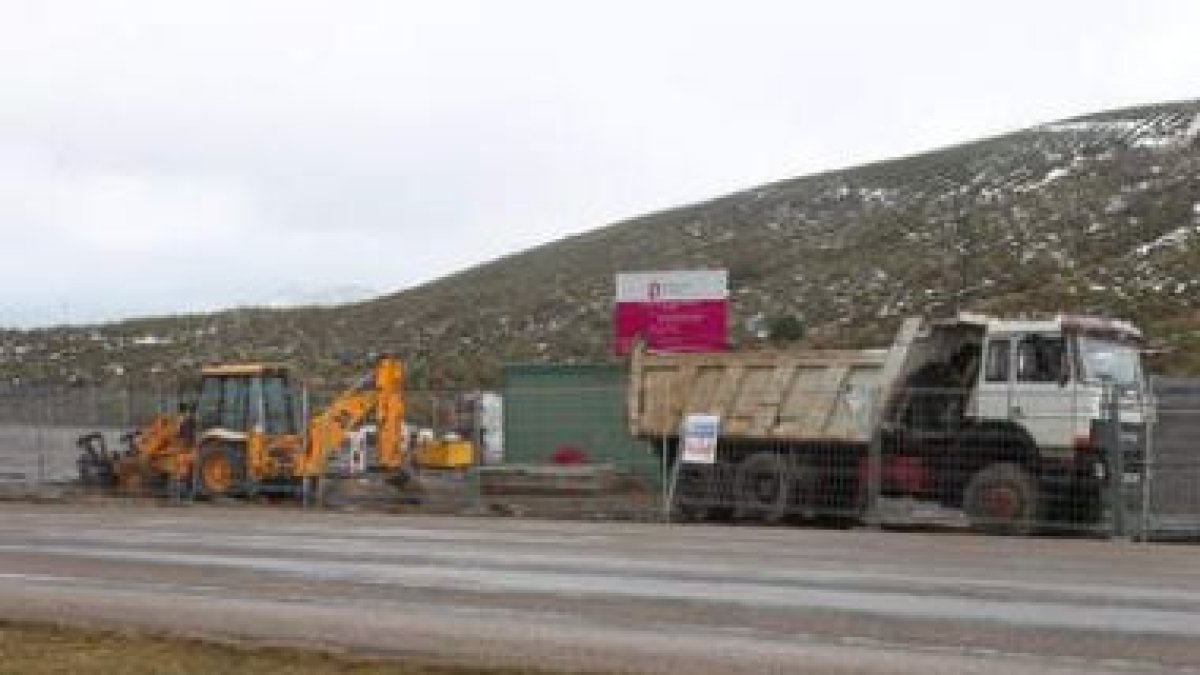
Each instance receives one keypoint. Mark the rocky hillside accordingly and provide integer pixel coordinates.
(1099, 214)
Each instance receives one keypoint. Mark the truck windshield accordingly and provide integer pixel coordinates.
(1107, 360)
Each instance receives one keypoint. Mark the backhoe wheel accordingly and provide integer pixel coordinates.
(764, 485)
(1003, 499)
(221, 469)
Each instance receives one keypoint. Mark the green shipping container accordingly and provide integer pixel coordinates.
(572, 413)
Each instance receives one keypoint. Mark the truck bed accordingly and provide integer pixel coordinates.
(783, 395)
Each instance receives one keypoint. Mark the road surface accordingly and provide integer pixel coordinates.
(608, 596)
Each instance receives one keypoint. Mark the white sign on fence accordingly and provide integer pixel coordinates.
(700, 433)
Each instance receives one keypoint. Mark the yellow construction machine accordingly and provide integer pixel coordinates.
(449, 452)
(242, 436)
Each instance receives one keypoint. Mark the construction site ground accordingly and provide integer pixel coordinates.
(602, 596)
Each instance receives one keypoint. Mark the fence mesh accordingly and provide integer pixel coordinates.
(39, 427)
(1170, 502)
(1062, 459)
(933, 456)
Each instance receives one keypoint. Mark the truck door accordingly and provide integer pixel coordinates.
(994, 386)
(1042, 396)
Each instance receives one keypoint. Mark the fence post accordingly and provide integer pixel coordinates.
(127, 407)
(44, 436)
(872, 518)
(666, 491)
(1116, 464)
(1149, 422)
(665, 479)
(42, 422)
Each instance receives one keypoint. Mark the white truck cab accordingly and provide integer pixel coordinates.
(1036, 395)
(1050, 376)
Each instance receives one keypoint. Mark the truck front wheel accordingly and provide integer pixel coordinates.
(1002, 498)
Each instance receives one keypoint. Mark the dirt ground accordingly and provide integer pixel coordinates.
(42, 649)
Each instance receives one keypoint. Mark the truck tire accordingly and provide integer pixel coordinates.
(763, 486)
(1002, 498)
(705, 493)
(220, 469)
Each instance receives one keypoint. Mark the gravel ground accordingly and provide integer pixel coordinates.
(607, 596)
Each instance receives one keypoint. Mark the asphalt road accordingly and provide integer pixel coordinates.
(608, 596)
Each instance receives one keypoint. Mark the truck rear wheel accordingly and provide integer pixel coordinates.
(764, 486)
(1002, 498)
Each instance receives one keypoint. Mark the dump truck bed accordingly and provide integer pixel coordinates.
(784, 395)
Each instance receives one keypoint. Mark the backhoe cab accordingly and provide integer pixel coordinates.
(244, 428)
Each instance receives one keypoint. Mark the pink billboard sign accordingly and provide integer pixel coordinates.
(672, 311)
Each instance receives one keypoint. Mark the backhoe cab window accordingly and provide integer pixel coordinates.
(208, 408)
(235, 402)
(278, 406)
(238, 403)
(1041, 359)
(224, 403)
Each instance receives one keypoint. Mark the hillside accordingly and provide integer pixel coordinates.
(1098, 213)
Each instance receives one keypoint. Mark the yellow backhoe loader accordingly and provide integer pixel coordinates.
(242, 437)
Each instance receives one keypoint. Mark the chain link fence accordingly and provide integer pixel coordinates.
(1168, 500)
(568, 451)
(1007, 461)
(925, 458)
(40, 427)
(568, 454)
(1001, 462)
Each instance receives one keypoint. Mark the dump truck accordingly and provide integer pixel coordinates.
(1001, 418)
(244, 434)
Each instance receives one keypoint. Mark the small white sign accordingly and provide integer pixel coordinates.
(700, 434)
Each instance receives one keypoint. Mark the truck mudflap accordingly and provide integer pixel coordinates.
(1118, 463)
(1072, 488)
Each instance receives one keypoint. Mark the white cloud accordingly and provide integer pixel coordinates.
(135, 215)
(144, 144)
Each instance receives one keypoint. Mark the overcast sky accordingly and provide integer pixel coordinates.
(164, 156)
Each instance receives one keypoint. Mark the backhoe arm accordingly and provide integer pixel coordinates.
(377, 396)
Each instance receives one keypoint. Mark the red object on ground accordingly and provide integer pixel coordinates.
(568, 454)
